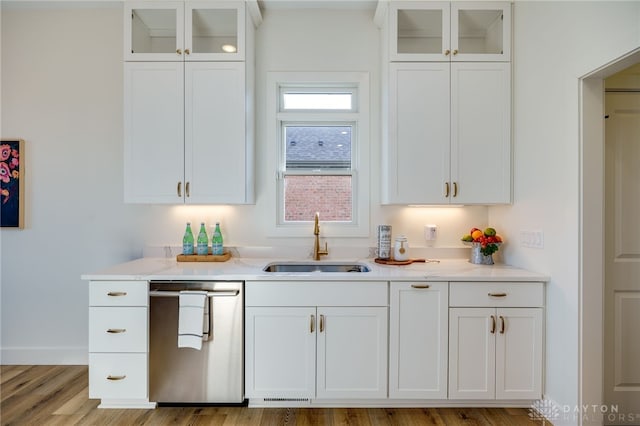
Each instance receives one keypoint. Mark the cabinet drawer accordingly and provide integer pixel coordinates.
(118, 376)
(117, 329)
(118, 293)
(512, 294)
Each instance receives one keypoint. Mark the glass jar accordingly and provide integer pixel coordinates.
(401, 248)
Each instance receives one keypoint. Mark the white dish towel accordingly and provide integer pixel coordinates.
(191, 318)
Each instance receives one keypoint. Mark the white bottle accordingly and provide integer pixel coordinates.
(401, 248)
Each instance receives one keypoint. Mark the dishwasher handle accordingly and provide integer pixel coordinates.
(212, 293)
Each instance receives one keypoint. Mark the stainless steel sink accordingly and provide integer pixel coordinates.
(316, 267)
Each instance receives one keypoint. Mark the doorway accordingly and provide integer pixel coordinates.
(594, 339)
(622, 253)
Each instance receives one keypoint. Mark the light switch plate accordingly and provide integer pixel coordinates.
(532, 239)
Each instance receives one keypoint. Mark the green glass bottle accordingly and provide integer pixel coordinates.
(187, 240)
(203, 241)
(216, 241)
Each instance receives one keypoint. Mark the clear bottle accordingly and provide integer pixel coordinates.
(187, 240)
(216, 241)
(203, 241)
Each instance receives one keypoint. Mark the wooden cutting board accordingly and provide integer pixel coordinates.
(203, 258)
(398, 262)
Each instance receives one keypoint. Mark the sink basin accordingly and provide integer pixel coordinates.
(316, 267)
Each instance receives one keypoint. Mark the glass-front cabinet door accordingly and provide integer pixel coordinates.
(214, 31)
(421, 31)
(184, 31)
(155, 32)
(480, 31)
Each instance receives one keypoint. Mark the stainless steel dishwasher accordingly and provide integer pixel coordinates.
(211, 375)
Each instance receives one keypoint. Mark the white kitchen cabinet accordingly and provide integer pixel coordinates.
(118, 348)
(280, 355)
(448, 138)
(352, 352)
(495, 352)
(297, 348)
(418, 324)
(422, 31)
(185, 133)
(184, 31)
(189, 132)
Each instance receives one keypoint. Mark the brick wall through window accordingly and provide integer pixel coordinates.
(331, 196)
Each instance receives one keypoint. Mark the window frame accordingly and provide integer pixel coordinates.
(357, 83)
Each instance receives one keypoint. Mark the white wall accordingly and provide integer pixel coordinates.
(62, 93)
(555, 43)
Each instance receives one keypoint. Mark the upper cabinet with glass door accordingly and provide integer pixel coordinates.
(441, 31)
(184, 31)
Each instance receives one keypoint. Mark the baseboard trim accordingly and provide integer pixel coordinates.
(44, 356)
(387, 403)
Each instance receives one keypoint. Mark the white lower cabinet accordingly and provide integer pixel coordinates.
(118, 375)
(495, 352)
(418, 337)
(280, 352)
(316, 352)
(118, 343)
(352, 352)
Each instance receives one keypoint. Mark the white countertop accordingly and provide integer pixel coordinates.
(250, 269)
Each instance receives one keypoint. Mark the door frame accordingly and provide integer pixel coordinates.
(591, 224)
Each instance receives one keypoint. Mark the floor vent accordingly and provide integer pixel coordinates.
(286, 400)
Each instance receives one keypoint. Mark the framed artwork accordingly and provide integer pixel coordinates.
(12, 183)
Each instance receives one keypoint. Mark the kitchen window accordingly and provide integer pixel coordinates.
(321, 128)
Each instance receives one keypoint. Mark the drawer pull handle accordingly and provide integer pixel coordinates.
(117, 293)
(502, 324)
(321, 323)
(313, 323)
(116, 330)
(493, 324)
(420, 286)
(497, 294)
(110, 377)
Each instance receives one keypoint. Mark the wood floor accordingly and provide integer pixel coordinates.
(58, 395)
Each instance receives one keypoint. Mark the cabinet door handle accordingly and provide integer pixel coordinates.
(186, 189)
(312, 324)
(455, 189)
(179, 51)
(446, 189)
(179, 189)
(321, 323)
(420, 286)
(116, 330)
(501, 324)
(446, 52)
(455, 51)
(497, 294)
(493, 324)
(187, 51)
(110, 377)
(117, 293)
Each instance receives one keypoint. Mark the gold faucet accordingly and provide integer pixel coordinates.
(317, 252)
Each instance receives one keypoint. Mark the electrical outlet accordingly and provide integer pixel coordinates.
(430, 232)
(532, 239)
